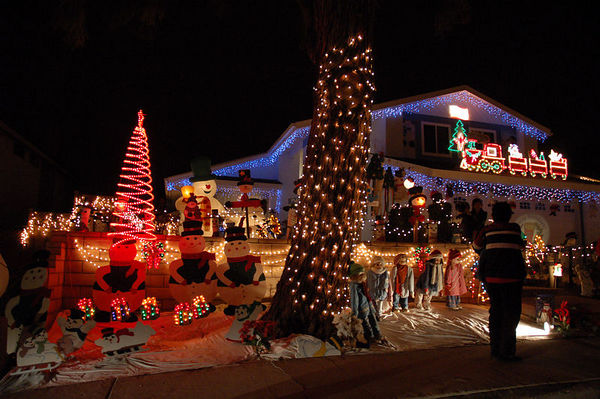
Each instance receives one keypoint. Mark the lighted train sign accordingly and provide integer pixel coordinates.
(490, 159)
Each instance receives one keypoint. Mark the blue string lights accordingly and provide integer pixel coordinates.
(500, 190)
(269, 159)
(463, 97)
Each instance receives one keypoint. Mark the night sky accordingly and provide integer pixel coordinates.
(225, 78)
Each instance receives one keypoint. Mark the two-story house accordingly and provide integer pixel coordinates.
(456, 137)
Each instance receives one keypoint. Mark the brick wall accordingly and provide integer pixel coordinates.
(71, 276)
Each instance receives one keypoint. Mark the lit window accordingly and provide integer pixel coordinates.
(524, 205)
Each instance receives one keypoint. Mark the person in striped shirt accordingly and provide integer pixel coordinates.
(502, 271)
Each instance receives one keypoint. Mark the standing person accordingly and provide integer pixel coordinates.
(454, 280)
(463, 219)
(502, 271)
(478, 217)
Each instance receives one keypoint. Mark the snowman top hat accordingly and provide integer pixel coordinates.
(40, 259)
(235, 233)
(245, 178)
(192, 228)
(201, 169)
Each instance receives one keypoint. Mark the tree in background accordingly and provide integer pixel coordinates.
(332, 200)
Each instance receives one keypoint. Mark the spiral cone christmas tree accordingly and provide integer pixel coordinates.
(134, 209)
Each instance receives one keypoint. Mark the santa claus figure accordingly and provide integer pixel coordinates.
(204, 187)
(123, 278)
(241, 279)
(194, 273)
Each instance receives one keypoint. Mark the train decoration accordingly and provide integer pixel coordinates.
(489, 159)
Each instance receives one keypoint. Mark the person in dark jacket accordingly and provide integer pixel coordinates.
(478, 217)
(502, 271)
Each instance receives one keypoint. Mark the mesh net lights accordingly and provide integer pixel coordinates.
(332, 201)
(134, 208)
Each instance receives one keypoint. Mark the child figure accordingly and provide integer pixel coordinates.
(403, 282)
(454, 280)
(378, 278)
(361, 302)
(431, 281)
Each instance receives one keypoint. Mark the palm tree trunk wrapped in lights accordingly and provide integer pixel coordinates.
(313, 286)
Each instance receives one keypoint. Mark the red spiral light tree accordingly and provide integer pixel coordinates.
(134, 209)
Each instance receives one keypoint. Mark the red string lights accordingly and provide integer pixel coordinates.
(134, 208)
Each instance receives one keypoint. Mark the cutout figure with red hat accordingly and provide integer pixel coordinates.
(431, 281)
(454, 280)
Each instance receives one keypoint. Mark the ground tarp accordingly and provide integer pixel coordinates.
(202, 344)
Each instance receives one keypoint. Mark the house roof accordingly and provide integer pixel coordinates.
(518, 120)
(299, 130)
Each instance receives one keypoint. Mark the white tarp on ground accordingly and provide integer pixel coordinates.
(202, 344)
(417, 330)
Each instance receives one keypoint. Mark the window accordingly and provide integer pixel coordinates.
(482, 136)
(524, 205)
(436, 139)
(540, 206)
(568, 208)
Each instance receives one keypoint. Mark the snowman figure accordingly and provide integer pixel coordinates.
(27, 312)
(241, 279)
(193, 274)
(37, 350)
(124, 340)
(124, 278)
(75, 329)
(254, 209)
(242, 314)
(204, 187)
